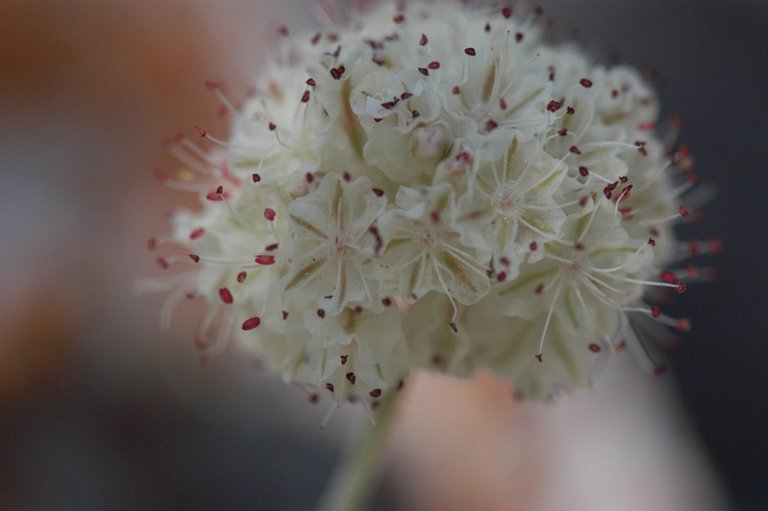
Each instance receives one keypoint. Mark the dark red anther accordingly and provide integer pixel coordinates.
(282, 30)
(241, 277)
(683, 212)
(399, 18)
(335, 73)
(305, 97)
(256, 177)
(539, 357)
(456, 90)
(570, 111)
(434, 216)
(453, 327)
(470, 51)
(311, 82)
(271, 247)
(614, 93)
(251, 323)
(309, 177)
(533, 246)
(583, 201)
(329, 386)
(406, 95)
(681, 288)
(668, 277)
(200, 132)
(269, 214)
(415, 114)
(315, 38)
(578, 246)
(501, 277)
(285, 315)
(502, 103)
(386, 302)
(585, 82)
(655, 311)
(321, 313)
(265, 259)
(563, 132)
(375, 393)
(346, 176)
(506, 12)
(625, 192)
(683, 325)
(344, 359)
(377, 236)
(351, 378)
(225, 295)
(162, 262)
(462, 156)
(220, 190)
(314, 398)
(272, 126)
(194, 257)
(424, 40)
(196, 233)
(575, 150)
(434, 65)
(424, 71)
(539, 289)
(378, 191)
(652, 242)
(519, 36)
(488, 27)
(594, 347)
(554, 106)
(584, 171)
(491, 125)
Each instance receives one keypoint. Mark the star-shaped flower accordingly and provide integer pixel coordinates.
(424, 251)
(331, 241)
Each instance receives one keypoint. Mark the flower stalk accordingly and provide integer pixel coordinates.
(353, 483)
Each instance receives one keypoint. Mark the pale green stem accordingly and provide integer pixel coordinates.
(352, 484)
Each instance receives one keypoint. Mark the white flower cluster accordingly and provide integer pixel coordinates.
(434, 187)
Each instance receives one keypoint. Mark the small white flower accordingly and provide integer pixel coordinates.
(424, 250)
(331, 242)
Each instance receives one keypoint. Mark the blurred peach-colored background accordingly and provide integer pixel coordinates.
(100, 409)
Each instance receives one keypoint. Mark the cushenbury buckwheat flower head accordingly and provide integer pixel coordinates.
(432, 186)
